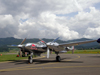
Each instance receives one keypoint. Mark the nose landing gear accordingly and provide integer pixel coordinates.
(30, 58)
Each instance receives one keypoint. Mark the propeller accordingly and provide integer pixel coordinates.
(23, 41)
(48, 50)
(20, 53)
(20, 46)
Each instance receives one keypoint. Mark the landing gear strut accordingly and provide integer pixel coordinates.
(58, 58)
(30, 59)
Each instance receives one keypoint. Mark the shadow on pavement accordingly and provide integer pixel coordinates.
(42, 61)
(94, 56)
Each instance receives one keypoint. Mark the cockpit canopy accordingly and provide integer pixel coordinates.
(28, 44)
(41, 44)
(38, 44)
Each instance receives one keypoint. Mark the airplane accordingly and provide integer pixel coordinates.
(42, 47)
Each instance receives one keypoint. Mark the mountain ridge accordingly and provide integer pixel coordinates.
(11, 40)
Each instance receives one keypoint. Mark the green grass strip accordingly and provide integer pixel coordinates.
(11, 57)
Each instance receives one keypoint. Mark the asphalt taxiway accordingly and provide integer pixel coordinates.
(72, 64)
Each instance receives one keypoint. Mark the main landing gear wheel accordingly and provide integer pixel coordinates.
(58, 58)
(30, 60)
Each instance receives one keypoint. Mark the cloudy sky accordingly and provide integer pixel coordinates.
(67, 19)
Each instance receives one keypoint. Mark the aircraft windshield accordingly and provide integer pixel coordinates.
(41, 43)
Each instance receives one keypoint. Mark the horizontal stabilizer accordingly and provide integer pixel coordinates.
(98, 40)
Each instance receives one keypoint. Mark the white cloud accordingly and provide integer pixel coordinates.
(92, 33)
(8, 26)
(38, 19)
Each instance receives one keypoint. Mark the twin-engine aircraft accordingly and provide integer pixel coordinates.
(42, 47)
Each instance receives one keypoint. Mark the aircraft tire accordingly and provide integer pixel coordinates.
(58, 58)
(30, 60)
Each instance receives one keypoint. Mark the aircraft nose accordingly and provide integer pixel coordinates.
(33, 45)
(19, 45)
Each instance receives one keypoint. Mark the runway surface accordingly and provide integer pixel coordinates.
(71, 64)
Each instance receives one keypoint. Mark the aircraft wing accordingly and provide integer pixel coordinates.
(15, 46)
(55, 48)
(77, 43)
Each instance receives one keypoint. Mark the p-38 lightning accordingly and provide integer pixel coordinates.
(42, 47)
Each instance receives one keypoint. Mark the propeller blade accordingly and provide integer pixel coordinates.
(20, 53)
(23, 41)
(73, 50)
(55, 39)
(48, 51)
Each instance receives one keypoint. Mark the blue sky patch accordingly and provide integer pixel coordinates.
(68, 15)
(97, 5)
(87, 10)
(23, 20)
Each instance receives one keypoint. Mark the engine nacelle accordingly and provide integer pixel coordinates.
(67, 48)
(98, 40)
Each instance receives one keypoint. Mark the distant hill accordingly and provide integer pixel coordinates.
(11, 40)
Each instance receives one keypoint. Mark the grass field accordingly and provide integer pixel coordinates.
(96, 51)
(12, 57)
